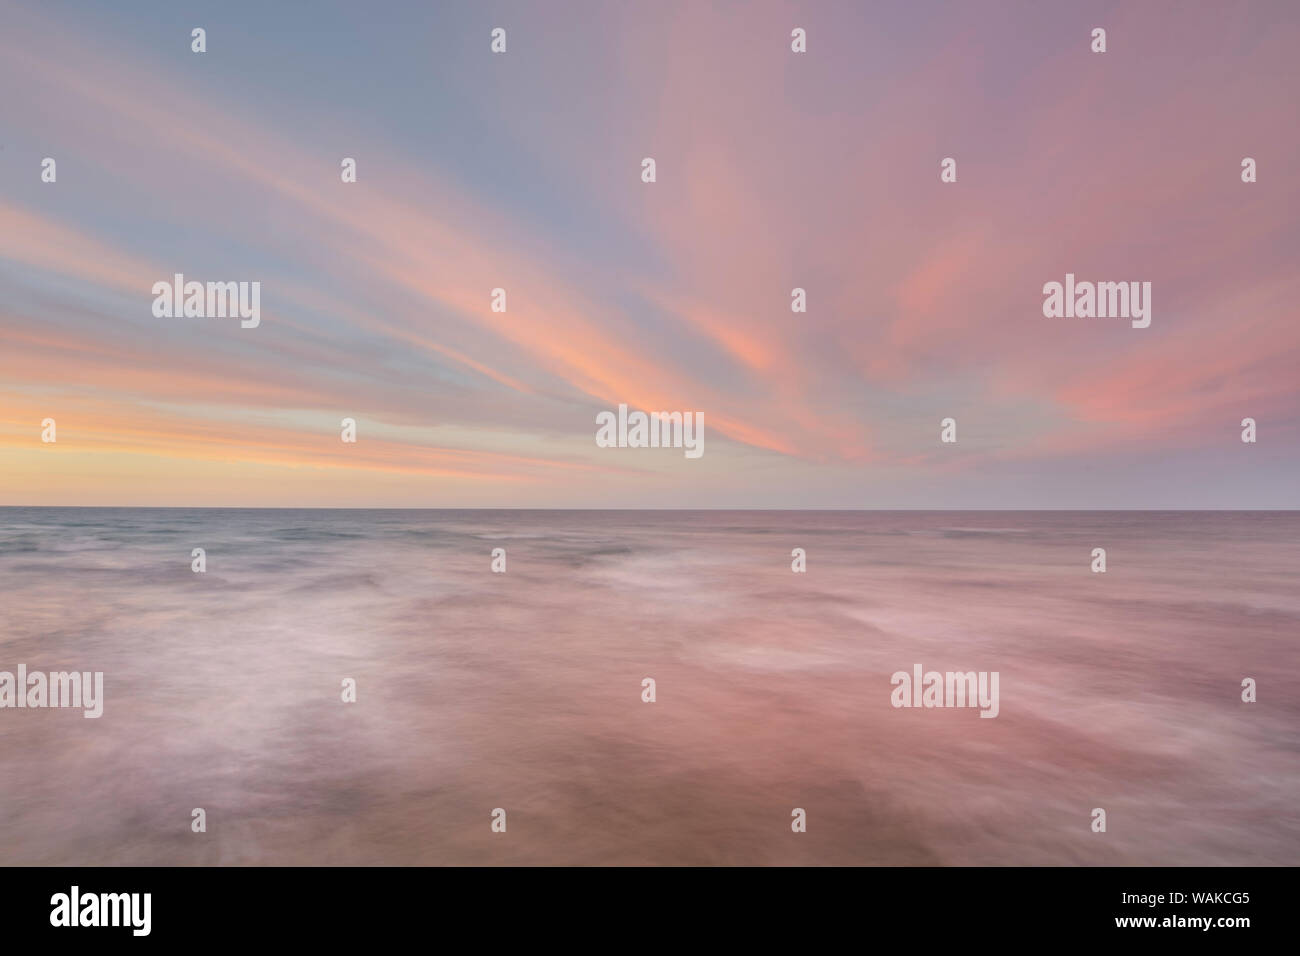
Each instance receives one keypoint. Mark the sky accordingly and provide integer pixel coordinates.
(775, 170)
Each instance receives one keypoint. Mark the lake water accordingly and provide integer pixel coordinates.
(523, 690)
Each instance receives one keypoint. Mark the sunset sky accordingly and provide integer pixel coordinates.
(775, 170)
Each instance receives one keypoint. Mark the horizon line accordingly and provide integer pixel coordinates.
(672, 510)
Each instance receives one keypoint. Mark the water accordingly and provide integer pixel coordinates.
(523, 690)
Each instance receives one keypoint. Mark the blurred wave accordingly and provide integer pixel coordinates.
(522, 690)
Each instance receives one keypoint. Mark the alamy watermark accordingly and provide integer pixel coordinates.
(75, 908)
(1101, 300)
(57, 689)
(949, 689)
(211, 300)
(651, 430)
